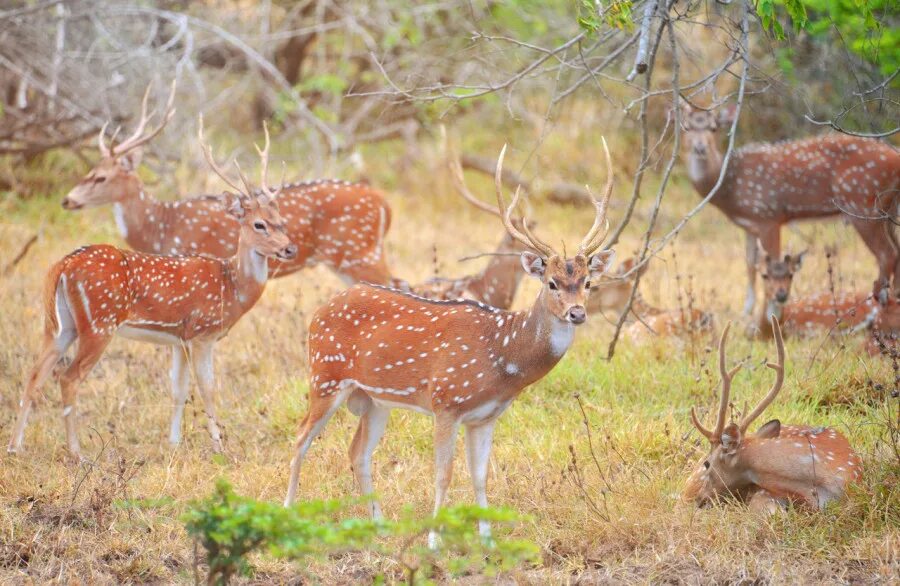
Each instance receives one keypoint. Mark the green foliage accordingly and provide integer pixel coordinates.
(231, 527)
(591, 16)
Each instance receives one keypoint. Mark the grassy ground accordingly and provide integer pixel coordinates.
(616, 519)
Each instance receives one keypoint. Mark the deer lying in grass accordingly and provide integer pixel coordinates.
(186, 302)
(612, 293)
(848, 312)
(339, 224)
(777, 465)
(462, 362)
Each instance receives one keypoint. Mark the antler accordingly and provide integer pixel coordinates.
(716, 435)
(590, 243)
(779, 379)
(138, 138)
(267, 191)
(528, 239)
(207, 153)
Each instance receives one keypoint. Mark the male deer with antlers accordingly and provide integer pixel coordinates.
(186, 302)
(336, 223)
(776, 465)
(462, 362)
(768, 185)
(833, 311)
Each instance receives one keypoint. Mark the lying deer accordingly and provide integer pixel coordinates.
(612, 292)
(777, 465)
(768, 185)
(849, 312)
(186, 302)
(336, 223)
(462, 362)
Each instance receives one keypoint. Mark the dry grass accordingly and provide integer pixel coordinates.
(117, 519)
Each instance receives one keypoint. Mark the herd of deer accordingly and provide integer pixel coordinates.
(453, 349)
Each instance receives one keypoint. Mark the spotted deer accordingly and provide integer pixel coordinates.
(767, 185)
(840, 311)
(611, 293)
(776, 465)
(885, 333)
(186, 302)
(336, 223)
(462, 362)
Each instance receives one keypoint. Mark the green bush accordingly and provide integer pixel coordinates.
(230, 527)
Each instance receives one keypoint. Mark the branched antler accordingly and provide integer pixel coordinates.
(590, 243)
(727, 375)
(776, 386)
(138, 138)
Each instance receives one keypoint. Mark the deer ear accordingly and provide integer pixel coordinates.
(600, 262)
(533, 264)
(132, 159)
(726, 114)
(234, 205)
(798, 260)
(731, 438)
(770, 430)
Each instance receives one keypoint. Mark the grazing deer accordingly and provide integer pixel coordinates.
(336, 223)
(611, 292)
(462, 362)
(840, 311)
(776, 465)
(187, 302)
(768, 185)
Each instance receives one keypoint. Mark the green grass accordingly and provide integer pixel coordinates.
(117, 521)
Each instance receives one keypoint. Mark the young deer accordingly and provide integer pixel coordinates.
(497, 284)
(336, 223)
(462, 362)
(187, 302)
(768, 185)
(845, 311)
(777, 464)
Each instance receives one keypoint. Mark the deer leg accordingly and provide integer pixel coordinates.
(877, 239)
(445, 432)
(202, 358)
(320, 411)
(55, 346)
(752, 257)
(90, 349)
(478, 451)
(181, 379)
(370, 431)
(764, 503)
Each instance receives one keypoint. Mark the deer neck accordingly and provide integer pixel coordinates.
(140, 218)
(704, 171)
(770, 309)
(250, 272)
(533, 341)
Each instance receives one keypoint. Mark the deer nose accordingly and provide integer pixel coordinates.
(781, 296)
(289, 251)
(576, 314)
(699, 148)
(68, 204)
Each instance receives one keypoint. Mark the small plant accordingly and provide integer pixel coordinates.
(230, 527)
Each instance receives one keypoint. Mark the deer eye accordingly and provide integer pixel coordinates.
(764, 276)
(706, 464)
(100, 179)
(587, 284)
(552, 285)
(259, 227)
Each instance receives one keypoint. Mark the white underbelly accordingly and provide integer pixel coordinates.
(398, 405)
(151, 336)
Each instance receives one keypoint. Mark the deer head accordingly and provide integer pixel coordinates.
(700, 128)
(116, 173)
(778, 275)
(726, 470)
(262, 227)
(566, 280)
